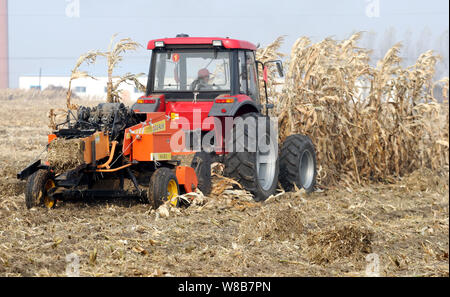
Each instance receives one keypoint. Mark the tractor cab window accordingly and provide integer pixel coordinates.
(252, 78)
(248, 79)
(192, 71)
(242, 73)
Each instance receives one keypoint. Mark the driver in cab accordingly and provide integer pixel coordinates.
(202, 81)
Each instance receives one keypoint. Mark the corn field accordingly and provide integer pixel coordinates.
(368, 123)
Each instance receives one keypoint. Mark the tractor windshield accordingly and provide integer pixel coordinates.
(199, 70)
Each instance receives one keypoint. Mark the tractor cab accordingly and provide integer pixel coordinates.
(216, 77)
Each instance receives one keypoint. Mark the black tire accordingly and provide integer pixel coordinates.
(297, 156)
(202, 166)
(158, 188)
(242, 166)
(35, 191)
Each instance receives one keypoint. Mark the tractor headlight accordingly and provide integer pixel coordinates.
(159, 43)
(217, 43)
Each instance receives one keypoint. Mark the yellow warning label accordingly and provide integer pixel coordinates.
(156, 127)
(159, 126)
(149, 129)
(160, 156)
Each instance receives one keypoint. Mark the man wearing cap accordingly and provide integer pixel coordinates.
(202, 80)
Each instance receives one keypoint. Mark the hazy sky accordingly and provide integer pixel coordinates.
(51, 34)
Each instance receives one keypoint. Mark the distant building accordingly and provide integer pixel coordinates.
(87, 88)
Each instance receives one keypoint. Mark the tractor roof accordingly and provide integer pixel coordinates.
(226, 42)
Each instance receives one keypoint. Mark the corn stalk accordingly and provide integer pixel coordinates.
(114, 56)
(368, 123)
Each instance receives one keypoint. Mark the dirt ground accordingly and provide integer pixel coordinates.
(337, 232)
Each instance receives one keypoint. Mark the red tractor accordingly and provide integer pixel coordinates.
(210, 87)
(202, 96)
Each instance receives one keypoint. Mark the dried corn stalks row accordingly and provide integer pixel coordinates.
(368, 123)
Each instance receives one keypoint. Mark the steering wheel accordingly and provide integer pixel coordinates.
(197, 85)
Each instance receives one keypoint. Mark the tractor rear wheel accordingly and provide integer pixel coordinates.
(250, 163)
(202, 166)
(298, 163)
(163, 187)
(38, 188)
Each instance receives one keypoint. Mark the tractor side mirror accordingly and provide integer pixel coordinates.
(280, 68)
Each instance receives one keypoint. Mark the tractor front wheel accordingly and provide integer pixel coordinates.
(163, 187)
(38, 189)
